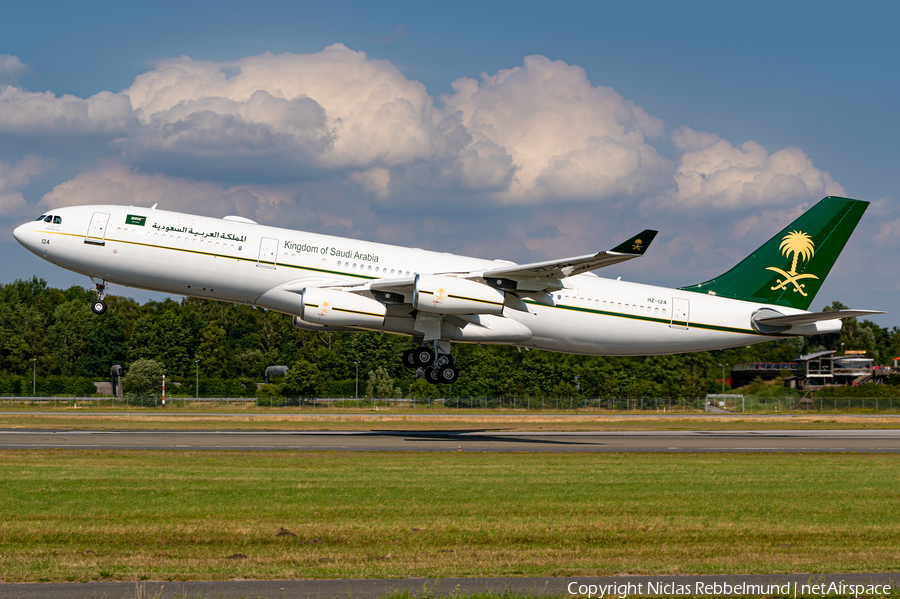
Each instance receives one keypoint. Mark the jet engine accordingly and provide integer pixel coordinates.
(339, 308)
(448, 295)
(320, 328)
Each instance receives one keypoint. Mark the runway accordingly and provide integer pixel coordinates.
(573, 586)
(790, 441)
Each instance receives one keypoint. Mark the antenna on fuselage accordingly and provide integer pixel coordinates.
(153, 207)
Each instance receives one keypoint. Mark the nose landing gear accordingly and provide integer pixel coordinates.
(99, 306)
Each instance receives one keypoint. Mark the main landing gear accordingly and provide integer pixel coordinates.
(437, 365)
(99, 306)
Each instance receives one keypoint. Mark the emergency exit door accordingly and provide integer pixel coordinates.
(96, 234)
(268, 253)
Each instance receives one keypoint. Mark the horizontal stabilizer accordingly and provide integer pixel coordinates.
(811, 317)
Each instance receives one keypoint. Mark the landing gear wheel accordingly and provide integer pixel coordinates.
(448, 375)
(409, 358)
(433, 376)
(424, 356)
(99, 306)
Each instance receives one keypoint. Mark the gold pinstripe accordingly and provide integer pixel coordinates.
(696, 325)
(462, 297)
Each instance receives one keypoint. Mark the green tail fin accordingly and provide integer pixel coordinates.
(789, 269)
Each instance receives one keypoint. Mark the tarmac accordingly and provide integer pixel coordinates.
(746, 441)
(612, 586)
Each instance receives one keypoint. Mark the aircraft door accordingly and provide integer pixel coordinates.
(96, 234)
(268, 253)
(681, 313)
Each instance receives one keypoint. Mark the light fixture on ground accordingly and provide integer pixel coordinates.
(357, 384)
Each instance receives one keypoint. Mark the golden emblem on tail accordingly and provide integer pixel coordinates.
(799, 245)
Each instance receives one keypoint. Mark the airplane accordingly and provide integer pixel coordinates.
(331, 283)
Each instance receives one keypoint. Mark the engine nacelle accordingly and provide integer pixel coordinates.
(339, 308)
(448, 295)
(320, 328)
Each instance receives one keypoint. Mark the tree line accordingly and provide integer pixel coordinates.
(50, 336)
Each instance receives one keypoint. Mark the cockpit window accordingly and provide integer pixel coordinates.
(48, 219)
(57, 220)
(41, 217)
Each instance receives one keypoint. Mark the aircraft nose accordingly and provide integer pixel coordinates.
(21, 234)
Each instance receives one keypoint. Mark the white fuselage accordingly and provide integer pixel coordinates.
(247, 263)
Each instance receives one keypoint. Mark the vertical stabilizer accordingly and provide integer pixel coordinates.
(789, 269)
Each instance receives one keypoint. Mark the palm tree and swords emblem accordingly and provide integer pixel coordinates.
(800, 245)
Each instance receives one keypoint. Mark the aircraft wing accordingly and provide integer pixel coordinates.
(399, 285)
(811, 317)
(526, 280)
(559, 269)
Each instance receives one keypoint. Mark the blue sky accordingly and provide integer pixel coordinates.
(630, 115)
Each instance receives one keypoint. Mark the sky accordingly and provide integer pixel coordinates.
(522, 131)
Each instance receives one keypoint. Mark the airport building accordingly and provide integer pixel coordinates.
(815, 371)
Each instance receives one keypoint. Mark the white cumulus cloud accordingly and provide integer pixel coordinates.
(333, 109)
(539, 133)
(115, 183)
(13, 177)
(568, 140)
(712, 172)
(44, 113)
(11, 68)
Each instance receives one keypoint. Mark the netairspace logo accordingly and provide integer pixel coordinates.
(628, 589)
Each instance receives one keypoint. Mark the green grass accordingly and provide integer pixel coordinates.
(82, 515)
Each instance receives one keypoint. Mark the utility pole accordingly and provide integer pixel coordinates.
(357, 383)
(723, 377)
(33, 377)
(197, 381)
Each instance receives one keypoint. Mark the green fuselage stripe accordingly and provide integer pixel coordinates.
(679, 323)
(694, 325)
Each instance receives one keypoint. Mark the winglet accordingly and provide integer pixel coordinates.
(637, 245)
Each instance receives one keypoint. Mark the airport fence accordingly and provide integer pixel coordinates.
(733, 404)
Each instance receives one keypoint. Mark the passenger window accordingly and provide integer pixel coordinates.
(57, 220)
